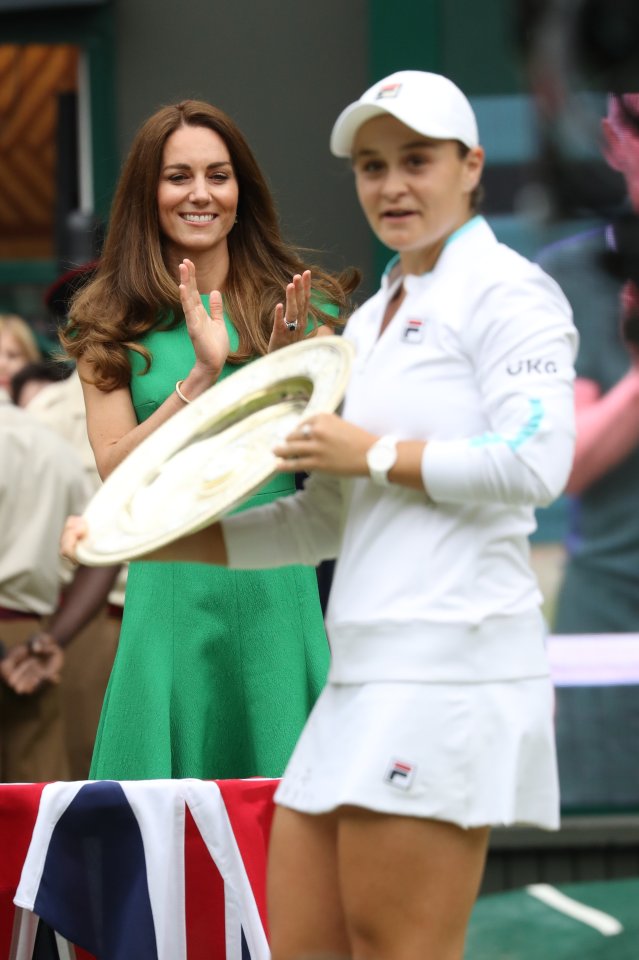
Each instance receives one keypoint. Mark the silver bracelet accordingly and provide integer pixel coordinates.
(179, 392)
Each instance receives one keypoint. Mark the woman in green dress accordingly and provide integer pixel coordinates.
(216, 671)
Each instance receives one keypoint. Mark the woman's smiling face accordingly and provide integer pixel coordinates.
(197, 192)
(414, 190)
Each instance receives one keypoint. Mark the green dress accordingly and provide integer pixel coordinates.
(216, 670)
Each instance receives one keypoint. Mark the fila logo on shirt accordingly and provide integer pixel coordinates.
(388, 90)
(400, 774)
(413, 332)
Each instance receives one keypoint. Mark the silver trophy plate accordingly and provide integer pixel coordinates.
(212, 455)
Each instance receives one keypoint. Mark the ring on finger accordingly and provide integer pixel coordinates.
(291, 324)
(307, 431)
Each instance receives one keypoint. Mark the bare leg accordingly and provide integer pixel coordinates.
(408, 885)
(305, 914)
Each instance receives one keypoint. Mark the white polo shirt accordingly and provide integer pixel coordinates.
(478, 361)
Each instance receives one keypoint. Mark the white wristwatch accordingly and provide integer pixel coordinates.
(381, 457)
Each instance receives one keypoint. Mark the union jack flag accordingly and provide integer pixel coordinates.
(154, 869)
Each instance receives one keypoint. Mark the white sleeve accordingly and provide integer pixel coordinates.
(523, 345)
(304, 528)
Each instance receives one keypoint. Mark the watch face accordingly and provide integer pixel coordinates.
(381, 458)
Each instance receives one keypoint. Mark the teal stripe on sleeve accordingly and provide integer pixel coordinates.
(529, 429)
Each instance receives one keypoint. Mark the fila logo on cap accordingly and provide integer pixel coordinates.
(388, 90)
(400, 774)
(413, 332)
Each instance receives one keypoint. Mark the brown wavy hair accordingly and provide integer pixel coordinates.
(132, 290)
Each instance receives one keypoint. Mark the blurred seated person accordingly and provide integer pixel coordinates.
(600, 588)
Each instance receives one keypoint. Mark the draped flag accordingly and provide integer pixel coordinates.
(152, 869)
(19, 803)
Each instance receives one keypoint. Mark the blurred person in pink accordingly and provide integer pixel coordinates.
(599, 592)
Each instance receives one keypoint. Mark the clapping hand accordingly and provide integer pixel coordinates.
(289, 325)
(208, 333)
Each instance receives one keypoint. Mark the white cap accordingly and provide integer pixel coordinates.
(426, 102)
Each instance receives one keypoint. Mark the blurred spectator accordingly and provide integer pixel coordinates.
(42, 481)
(51, 392)
(630, 317)
(18, 347)
(600, 589)
(33, 377)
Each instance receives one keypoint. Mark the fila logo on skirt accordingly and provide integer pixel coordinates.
(400, 774)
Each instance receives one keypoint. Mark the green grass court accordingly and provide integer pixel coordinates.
(518, 926)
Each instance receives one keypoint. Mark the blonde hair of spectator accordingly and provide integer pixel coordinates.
(23, 334)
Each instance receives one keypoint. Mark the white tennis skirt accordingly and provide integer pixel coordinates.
(474, 754)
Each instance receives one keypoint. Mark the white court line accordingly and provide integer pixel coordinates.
(603, 922)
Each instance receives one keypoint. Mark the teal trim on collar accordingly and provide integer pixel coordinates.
(390, 265)
(473, 222)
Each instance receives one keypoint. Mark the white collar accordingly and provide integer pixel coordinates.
(474, 230)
